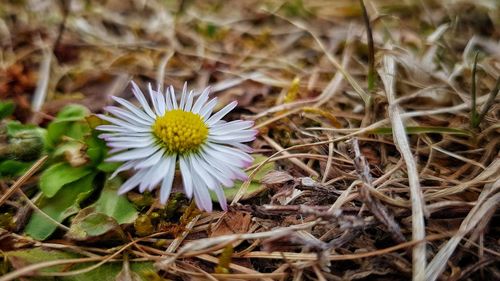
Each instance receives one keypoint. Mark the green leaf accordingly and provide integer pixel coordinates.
(64, 204)
(91, 226)
(270, 166)
(14, 127)
(38, 255)
(253, 188)
(114, 205)
(72, 112)
(105, 272)
(423, 130)
(6, 108)
(74, 130)
(108, 167)
(57, 175)
(70, 122)
(13, 168)
(96, 148)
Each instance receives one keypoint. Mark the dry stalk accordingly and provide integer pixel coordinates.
(400, 139)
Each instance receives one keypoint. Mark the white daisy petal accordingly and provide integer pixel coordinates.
(183, 96)
(202, 197)
(186, 176)
(162, 167)
(210, 150)
(168, 100)
(133, 139)
(138, 153)
(152, 160)
(124, 124)
(127, 144)
(231, 127)
(166, 185)
(154, 101)
(142, 100)
(144, 184)
(162, 106)
(173, 99)
(159, 173)
(112, 128)
(214, 170)
(243, 136)
(210, 181)
(132, 182)
(154, 175)
(115, 150)
(202, 99)
(133, 109)
(126, 115)
(208, 108)
(217, 116)
(232, 170)
(124, 167)
(189, 101)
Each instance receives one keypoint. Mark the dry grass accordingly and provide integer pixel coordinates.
(384, 207)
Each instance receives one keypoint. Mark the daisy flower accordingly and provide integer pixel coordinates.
(152, 139)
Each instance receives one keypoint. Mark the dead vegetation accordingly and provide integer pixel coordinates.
(391, 179)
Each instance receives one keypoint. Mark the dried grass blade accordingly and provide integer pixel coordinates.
(388, 76)
(484, 205)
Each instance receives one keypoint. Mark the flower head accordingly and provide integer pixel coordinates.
(152, 139)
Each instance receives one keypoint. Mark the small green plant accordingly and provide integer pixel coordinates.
(475, 117)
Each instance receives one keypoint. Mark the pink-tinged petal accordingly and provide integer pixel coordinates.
(243, 147)
(231, 153)
(221, 197)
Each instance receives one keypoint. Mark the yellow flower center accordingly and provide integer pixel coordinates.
(181, 131)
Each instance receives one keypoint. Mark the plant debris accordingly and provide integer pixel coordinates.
(377, 156)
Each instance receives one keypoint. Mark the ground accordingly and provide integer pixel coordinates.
(377, 156)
